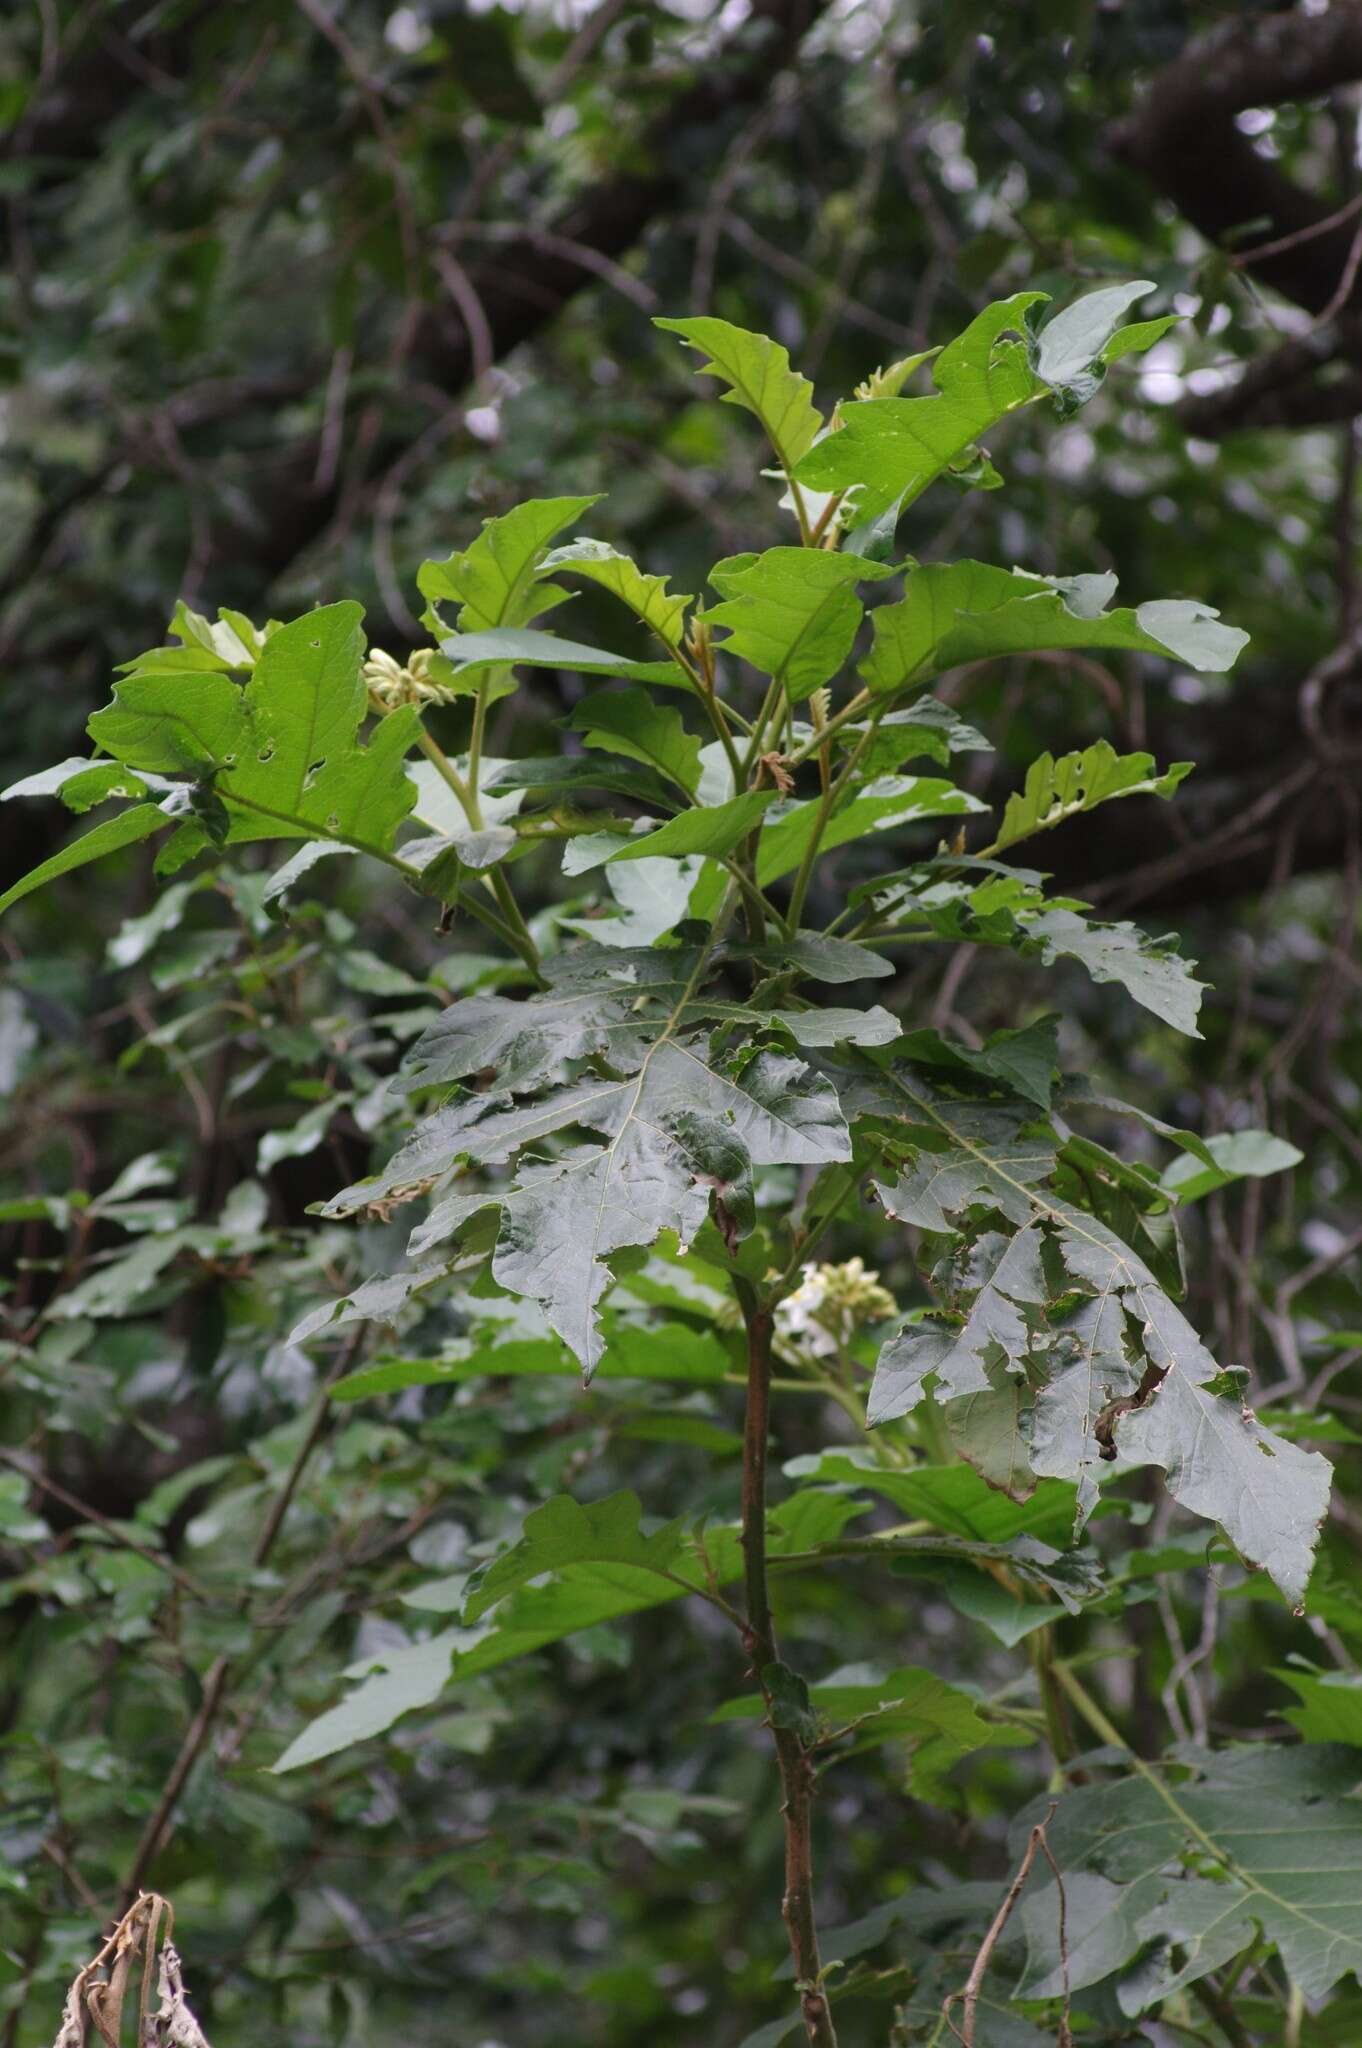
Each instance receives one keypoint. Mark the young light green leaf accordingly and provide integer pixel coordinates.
(758, 373)
(1235, 1155)
(714, 830)
(495, 581)
(632, 723)
(891, 449)
(1058, 790)
(302, 772)
(792, 612)
(648, 598)
(174, 724)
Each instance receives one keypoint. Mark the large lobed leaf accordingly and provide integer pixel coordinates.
(1167, 1880)
(888, 450)
(954, 612)
(792, 612)
(758, 374)
(1116, 1372)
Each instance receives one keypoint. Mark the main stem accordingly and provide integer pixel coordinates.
(793, 1759)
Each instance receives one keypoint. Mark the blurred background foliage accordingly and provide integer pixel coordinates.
(294, 296)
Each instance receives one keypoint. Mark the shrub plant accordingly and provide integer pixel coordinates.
(659, 1104)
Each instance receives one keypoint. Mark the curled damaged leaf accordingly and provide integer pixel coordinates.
(101, 1992)
(1119, 1375)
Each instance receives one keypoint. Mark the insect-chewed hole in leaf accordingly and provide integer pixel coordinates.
(313, 772)
(266, 753)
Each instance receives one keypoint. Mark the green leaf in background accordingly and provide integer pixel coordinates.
(1283, 1831)
(401, 1681)
(1236, 1155)
(952, 1498)
(633, 1351)
(562, 1532)
(791, 612)
(123, 830)
(937, 1723)
(760, 379)
(1330, 1707)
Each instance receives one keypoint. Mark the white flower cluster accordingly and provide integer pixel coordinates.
(826, 1310)
(390, 684)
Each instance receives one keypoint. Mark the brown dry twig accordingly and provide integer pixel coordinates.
(99, 1990)
(1037, 1845)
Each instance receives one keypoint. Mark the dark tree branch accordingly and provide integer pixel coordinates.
(1272, 797)
(524, 284)
(1184, 137)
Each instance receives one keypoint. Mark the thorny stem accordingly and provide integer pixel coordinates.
(793, 1759)
(1037, 1845)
